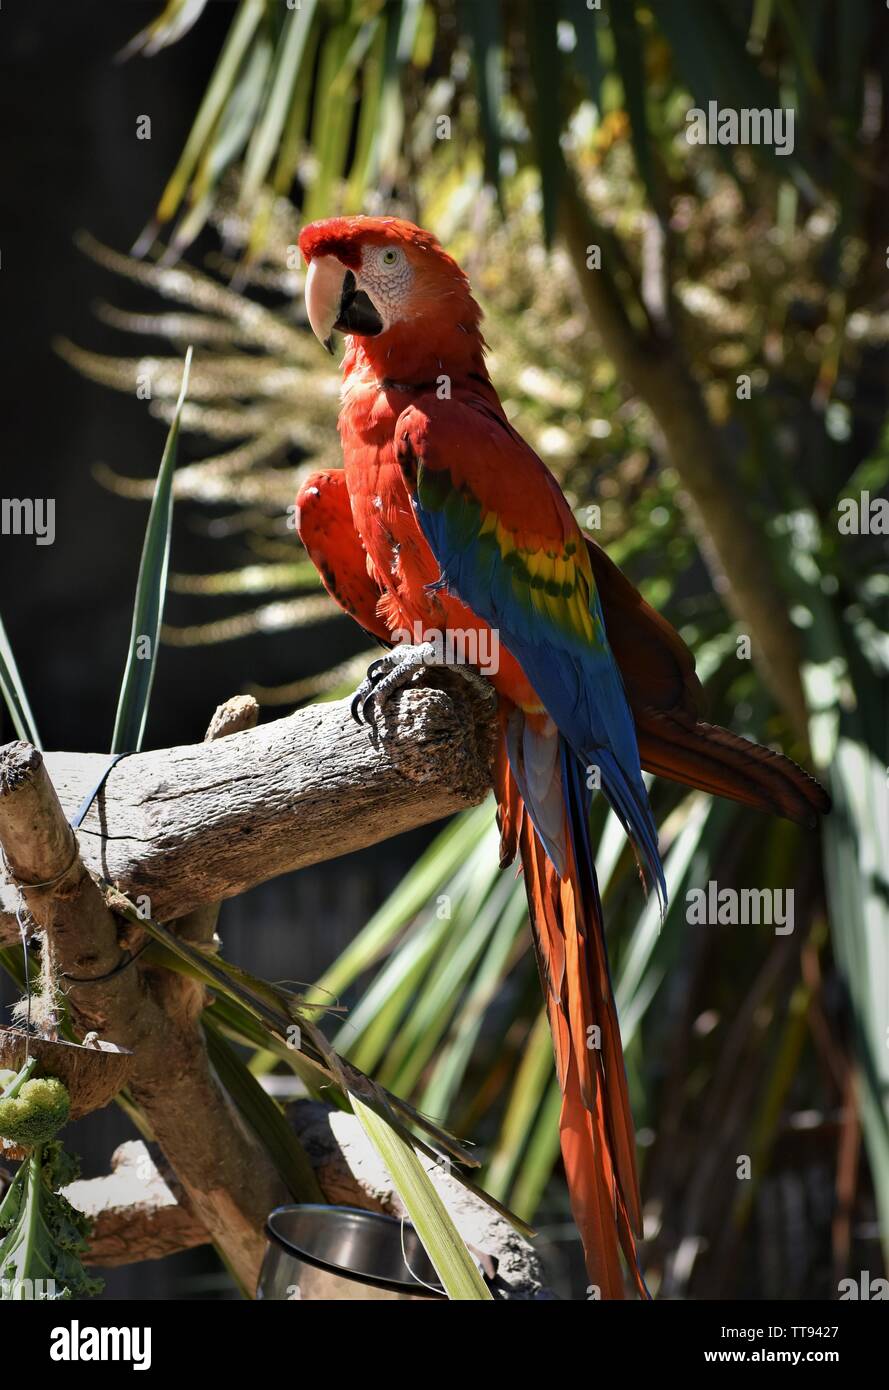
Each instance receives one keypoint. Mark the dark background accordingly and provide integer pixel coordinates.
(71, 161)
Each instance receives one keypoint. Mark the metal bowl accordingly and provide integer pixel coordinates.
(328, 1252)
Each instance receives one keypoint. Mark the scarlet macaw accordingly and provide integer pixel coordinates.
(443, 519)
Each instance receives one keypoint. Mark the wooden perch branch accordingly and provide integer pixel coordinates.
(190, 826)
(9, 928)
(134, 1211)
(80, 934)
(137, 1217)
(186, 828)
(228, 1178)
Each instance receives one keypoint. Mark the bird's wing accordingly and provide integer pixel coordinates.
(325, 527)
(509, 547)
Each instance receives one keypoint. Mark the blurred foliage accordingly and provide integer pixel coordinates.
(469, 117)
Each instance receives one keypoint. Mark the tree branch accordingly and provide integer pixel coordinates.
(134, 1210)
(189, 826)
(230, 1180)
(186, 827)
(136, 1215)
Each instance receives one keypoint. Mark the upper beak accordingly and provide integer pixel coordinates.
(324, 290)
(332, 301)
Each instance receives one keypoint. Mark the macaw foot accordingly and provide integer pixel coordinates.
(394, 670)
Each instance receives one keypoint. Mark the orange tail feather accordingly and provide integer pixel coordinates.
(677, 745)
(596, 1124)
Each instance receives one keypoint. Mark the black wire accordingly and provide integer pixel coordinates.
(118, 969)
(75, 823)
(90, 797)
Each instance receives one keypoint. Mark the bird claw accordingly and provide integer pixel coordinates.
(366, 689)
(393, 671)
(387, 674)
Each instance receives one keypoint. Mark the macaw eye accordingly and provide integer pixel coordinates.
(389, 256)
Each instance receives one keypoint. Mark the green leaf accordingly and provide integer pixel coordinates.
(634, 989)
(135, 694)
(547, 78)
(425, 950)
(295, 127)
(533, 1079)
(45, 1237)
(401, 26)
(373, 1024)
(855, 838)
(264, 1116)
(174, 22)
(237, 44)
(415, 891)
(802, 48)
(228, 139)
(285, 1018)
(11, 962)
(288, 72)
(540, 1153)
(760, 20)
(13, 691)
(330, 127)
(366, 156)
(629, 47)
(483, 24)
(711, 56)
(586, 53)
(421, 1032)
(454, 1057)
(442, 1242)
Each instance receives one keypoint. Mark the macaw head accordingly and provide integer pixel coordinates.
(389, 285)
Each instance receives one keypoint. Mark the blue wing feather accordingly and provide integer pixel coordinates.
(577, 679)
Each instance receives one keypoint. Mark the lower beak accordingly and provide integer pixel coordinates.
(333, 302)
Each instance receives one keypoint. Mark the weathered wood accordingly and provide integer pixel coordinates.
(229, 1178)
(137, 1216)
(192, 825)
(80, 934)
(239, 713)
(185, 828)
(9, 927)
(135, 1213)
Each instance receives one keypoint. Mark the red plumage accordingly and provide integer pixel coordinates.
(361, 530)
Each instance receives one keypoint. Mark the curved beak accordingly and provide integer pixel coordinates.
(334, 302)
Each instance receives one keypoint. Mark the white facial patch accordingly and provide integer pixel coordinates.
(386, 276)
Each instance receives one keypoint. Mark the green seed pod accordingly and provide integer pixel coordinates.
(36, 1113)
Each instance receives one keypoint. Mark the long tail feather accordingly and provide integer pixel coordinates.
(682, 748)
(666, 699)
(596, 1125)
(629, 801)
